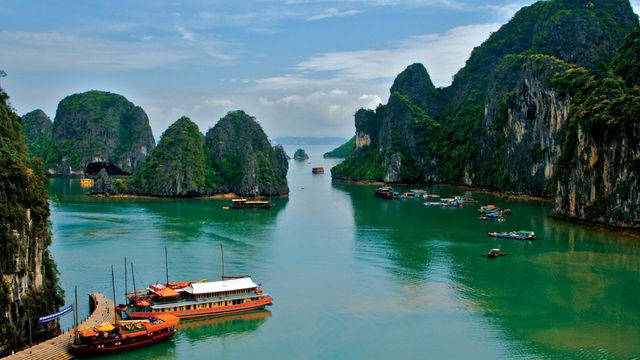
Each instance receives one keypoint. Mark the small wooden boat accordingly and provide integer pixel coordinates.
(494, 253)
(317, 170)
(518, 235)
(109, 338)
(250, 204)
(385, 192)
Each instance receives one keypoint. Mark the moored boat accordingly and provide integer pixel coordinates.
(385, 192)
(85, 182)
(494, 253)
(199, 299)
(123, 335)
(250, 204)
(518, 235)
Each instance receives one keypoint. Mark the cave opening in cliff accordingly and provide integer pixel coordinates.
(94, 168)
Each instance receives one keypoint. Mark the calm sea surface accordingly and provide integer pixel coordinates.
(356, 277)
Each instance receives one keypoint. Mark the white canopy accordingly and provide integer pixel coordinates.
(220, 286)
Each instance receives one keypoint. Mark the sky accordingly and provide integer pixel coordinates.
(300, 67)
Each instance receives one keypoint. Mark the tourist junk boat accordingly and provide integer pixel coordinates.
(317, 170)
(518, 235)
(250, 204)
(123, 335)
(198, 299)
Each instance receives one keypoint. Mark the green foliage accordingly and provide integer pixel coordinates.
(36, 127)
(343, 150)
(22, 187)
(179, 157)
(97, 124)
(241, 159)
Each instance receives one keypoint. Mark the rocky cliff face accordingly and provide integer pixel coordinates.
(28, 286)
(95, 130)
(177, 165)
(504, 122)
(598, 169)
(243, 161)
(37, 128)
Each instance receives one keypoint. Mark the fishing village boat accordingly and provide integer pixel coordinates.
(518, 235)
(109, 338)
(317, 170)
(84, 182)
(198, 299)
(385, 192)
(494, 253)
(250, 204)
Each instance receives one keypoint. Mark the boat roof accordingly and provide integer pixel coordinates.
(167, 292)
(220, 286)
(238, 200)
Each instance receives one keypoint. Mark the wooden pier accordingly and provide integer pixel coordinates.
(102, 310)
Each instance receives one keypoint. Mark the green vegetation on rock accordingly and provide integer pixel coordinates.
(512, 118)
(37, 127)
(98, 126)
(177, 166)
(29, 284)
(343, 150)
(241, 159)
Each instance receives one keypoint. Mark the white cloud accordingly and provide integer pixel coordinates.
(442, 54)
(333, 12)
(24, 51)
(186, 34)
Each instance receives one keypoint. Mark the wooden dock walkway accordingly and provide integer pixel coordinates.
(58, 348)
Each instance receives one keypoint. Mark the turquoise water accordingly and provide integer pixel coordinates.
(356, 277)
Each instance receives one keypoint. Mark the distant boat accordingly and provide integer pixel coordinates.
(250, 204)
(494, 253)
(317, 170)
(110, 338)
(84, 182)
(518, 235)
(385, 192)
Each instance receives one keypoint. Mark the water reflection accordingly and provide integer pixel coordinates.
(574, 291)
(196, 330)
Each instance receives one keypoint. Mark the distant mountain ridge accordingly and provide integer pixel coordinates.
(308, 140)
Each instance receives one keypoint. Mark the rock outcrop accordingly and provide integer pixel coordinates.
(28, 283)
(96, 130)
(505, 122)
(300, 155)
(242, 159)
(37, 128)
(177, 166)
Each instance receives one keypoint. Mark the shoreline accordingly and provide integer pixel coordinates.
(461, 187)
(631, 232)
(225, 196)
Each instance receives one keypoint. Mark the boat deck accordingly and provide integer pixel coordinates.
(58, 347)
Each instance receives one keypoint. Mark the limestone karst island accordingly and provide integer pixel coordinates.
(164, 193)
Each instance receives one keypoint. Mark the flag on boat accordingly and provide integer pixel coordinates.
(54, 316)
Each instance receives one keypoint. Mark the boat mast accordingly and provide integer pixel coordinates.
(166, 264)
(113, 284)
(75, 314)
(222, 254)
(125, 280)
(133, 277)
